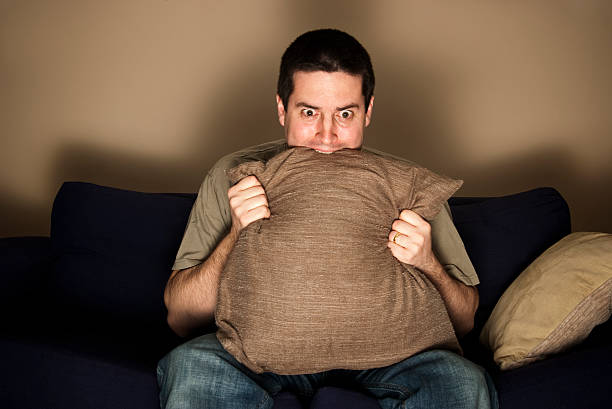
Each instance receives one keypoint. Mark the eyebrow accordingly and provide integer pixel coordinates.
(305, 105)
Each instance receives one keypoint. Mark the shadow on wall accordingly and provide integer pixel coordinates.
(22, 217)
(241, 118)
(408, 119)
(593, 197)
(588, 197)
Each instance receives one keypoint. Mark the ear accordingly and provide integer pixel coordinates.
(368, 115)
(280, 110)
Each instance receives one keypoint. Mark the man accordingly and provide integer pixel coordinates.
(324, 102)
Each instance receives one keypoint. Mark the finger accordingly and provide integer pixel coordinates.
(411, 243)
(396, 237)
(258, 213)
(407, 253)
(421, 226)
(237, 199)
(411, 217)
(400, 253)
(248, 193)
(261, 212)
(253, 203)
(246, 183)
(404, 227)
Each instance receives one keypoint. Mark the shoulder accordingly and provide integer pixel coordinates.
(261, 152)
(217, 177)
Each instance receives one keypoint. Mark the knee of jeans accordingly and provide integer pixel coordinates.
(193, 354)
(464, 371)
(186, 352)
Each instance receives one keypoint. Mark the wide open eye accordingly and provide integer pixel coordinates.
(308, 112)
(346, 114)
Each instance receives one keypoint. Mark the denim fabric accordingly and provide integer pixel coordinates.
(201, 374)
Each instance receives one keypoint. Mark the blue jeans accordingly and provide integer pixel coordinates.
(201, 374)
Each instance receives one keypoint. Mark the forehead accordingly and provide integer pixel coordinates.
(336, 88)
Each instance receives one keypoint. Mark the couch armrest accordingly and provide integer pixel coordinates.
(24, 264)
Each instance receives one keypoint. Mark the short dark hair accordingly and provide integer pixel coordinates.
(326, 50)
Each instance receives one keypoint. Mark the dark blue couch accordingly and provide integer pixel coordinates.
(85, 322)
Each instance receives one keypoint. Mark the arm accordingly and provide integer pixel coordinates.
(410, 242)
(191, 294)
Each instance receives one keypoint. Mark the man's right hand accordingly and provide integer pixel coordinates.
(248, 202)
(191, 293)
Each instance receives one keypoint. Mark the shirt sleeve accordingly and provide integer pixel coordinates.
(209, 220)
(449, 249)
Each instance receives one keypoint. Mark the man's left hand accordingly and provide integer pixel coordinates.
(410, 241)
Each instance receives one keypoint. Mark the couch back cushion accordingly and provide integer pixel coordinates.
(113, 251)
(503, 235)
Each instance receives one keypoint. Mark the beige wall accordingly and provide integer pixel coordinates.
(147, 94)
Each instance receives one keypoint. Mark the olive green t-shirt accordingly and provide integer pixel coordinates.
(210, 218)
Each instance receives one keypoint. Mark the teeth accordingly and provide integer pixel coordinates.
(327, 153)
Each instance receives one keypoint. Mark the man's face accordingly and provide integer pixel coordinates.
(326, 111)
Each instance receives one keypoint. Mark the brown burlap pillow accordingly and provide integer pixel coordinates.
(314, 287)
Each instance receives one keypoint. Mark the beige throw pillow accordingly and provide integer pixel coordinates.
(554, 303)
(314, 287)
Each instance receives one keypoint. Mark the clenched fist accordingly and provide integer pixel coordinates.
(248, 202)
(410, 241)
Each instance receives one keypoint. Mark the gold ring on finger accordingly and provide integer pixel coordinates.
(395, 237)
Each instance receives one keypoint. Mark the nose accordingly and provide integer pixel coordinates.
(326, 129)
